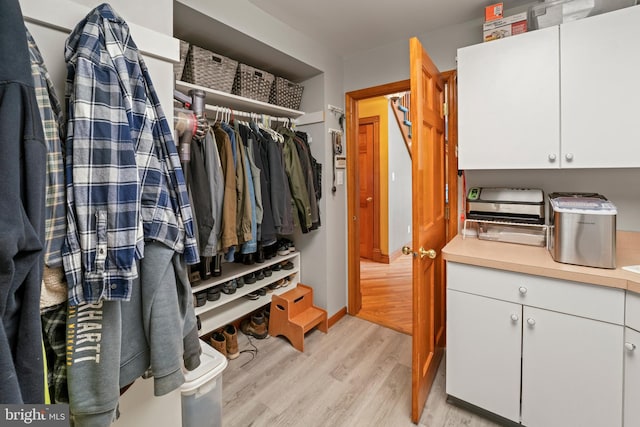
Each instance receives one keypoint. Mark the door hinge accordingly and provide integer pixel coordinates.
(446, 212)
(446, 109)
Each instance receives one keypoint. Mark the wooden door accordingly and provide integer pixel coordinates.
(367, 141)
(429, 222)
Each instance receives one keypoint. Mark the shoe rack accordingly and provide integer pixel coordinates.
(229, 307)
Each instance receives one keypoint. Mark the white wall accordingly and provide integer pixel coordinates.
(156, 15)
(324, 255)
(51, 21)
(390, 62)
(399, 187)
(618, 185)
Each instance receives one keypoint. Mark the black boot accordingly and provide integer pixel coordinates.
(216, 265)
(260, 254)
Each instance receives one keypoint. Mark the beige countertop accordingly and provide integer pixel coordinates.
(538, 261)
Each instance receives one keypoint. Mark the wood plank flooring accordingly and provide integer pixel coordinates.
(386, 293)
(359, 374)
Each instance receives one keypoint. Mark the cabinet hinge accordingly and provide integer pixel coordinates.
(446, 109)
(446, 212)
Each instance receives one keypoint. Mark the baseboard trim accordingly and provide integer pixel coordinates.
(339, 315)
(378, 256)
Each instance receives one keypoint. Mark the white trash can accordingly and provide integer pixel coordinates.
(202, 390)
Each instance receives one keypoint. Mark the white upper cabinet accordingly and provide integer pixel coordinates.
(508, 94)
(566, 96)
(600, 90)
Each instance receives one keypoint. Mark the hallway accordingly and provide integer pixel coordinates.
(386, 293)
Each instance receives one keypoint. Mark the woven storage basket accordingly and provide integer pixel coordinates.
(252, 83)
(208, 69)
(286, 94)
(179, 68)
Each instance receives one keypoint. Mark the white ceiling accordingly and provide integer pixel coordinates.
(350, 26)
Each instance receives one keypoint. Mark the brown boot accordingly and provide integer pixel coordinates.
(231, 335)
(219, 342)
(256, 326)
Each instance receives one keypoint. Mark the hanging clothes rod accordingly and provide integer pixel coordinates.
(247, 114)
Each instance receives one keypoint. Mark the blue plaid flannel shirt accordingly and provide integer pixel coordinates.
(123, 175)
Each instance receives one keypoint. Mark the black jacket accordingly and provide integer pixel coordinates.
(22, 174)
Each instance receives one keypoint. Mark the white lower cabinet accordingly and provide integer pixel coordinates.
(571, 370)
(631, 378)
(524, 347)
(483, 352)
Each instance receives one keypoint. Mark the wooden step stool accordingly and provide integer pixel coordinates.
(293, 314)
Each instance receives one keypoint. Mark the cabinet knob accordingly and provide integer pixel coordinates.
(552, 157)
(522, 290)
(514, 317)
(531, 321)
(568, 156)
(629, 346)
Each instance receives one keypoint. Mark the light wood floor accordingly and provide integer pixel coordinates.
(359, 374)
(386, 293)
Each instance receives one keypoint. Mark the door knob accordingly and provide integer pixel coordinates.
(431, 253)
(369, 199)
(531, 321)
(629, 346)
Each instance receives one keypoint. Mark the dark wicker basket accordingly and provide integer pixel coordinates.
(286, 94)
(252, 83)
(179, 68)
(208, 69)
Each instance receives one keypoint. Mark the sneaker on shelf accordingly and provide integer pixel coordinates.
(219, 342)
(255, 326)
(262, 292)
(213, 294)
(267, 272)
(283, 248)
(230, 287)
(276, 267)
(287, 265)
(259, 275)
(250, 278)
(290, 245)
(253, 295)
(201, 299)
(231, 337)
(240, 282)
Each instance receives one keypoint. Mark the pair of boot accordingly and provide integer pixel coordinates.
(256, 326)
(226, 341)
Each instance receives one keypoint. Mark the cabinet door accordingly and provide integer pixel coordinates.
(508, 94)
(483, 352)
(631, 378)
(571, 371)
(601, 90)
